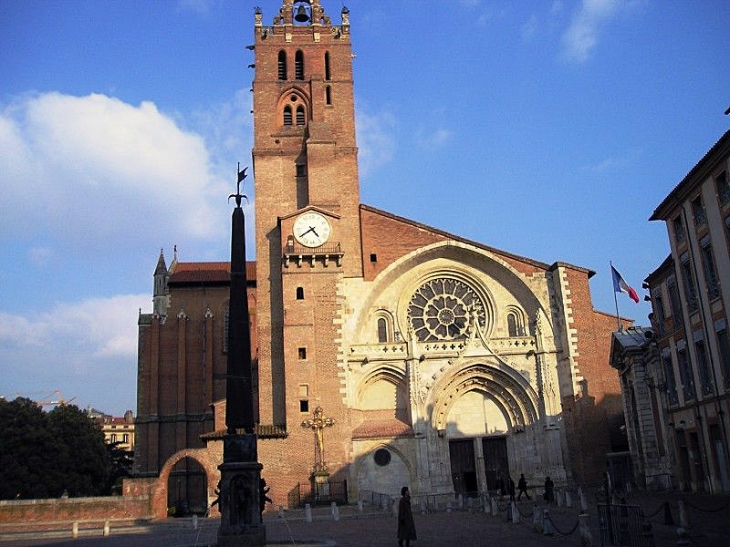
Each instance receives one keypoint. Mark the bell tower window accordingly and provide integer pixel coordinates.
(327, 73)
(382, 330)
(299, 65)
(287, 115)
(328, 95)
(282, 65)
(300, 115)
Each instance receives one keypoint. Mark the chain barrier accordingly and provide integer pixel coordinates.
(527, 516)
(558, 529)
(693, 506)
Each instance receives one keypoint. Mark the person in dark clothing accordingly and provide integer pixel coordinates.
(549, 494)
(406, 526)
(522, 487)
(263, 498)
(511, 488)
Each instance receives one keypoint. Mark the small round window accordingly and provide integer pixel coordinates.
(382, 457)
(293, 98)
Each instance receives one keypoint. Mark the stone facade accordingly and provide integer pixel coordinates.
(441, 362)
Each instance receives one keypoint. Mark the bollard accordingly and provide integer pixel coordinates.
(385, 504)
(308, 513)
(424, 507)
(335, 511)
(509, 512)
(583, 501)
(195, 522)
(568, 500)
(547, 526)
(495, 507)
(485, 504)
(105, 530)
(683, 515)
(586, 537)
(682, 536)
(515, 514)
(359, 505)
(448, 506)
(537, 519)
(75, 530)
(395, 507)
(559, 498)
(461, 502)
(281, 511)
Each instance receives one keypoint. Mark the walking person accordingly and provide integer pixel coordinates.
(522, 487)
(406, 526)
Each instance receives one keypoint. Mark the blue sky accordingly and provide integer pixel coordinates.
(550, 129)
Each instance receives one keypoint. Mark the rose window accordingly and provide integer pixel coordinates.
(441, 309)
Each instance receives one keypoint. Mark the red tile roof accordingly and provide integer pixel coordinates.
(372, 429)
(208, 272)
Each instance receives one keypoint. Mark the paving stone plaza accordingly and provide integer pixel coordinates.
(707, 517)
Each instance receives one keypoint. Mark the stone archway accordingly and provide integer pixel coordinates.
(202, 457)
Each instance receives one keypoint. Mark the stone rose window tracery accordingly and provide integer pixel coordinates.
(440, 309)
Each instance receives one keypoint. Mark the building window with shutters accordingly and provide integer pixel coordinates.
(690, 291)
(287, 115)
(301, 118)
(299, 65)
(678, 228)
(698, 212)
(282, 65)
(723, 188)
(710, 271)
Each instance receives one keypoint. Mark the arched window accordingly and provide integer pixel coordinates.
(382, 330)
(300, 115)
(512, 324)
(299, 65)
(300, 293)
(328, 94)
(287, 115)
(327, 73)
(282, 65)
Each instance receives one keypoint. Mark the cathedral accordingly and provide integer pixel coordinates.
(386, 352)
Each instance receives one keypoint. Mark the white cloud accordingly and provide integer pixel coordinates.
(584, 31)
(434, 138)
(375, 140)
(95, 327)
(88, 349)
(90, 171)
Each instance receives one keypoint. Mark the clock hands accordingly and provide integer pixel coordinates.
(311, 229)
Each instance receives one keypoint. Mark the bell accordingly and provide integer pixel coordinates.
(301, 16)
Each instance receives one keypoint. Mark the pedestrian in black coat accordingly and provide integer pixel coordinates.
(406, 526)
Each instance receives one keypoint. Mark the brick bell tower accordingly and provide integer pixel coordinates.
(307, 216)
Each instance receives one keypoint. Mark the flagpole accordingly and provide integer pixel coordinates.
(615, 299)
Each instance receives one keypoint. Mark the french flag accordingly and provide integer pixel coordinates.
(620, 285)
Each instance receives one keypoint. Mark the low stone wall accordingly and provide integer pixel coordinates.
(75, 509)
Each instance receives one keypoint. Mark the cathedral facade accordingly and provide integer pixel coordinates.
(386, 352)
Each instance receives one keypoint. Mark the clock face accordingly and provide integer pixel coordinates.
(311, 229)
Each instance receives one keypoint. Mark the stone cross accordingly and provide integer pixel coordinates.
(317, 424)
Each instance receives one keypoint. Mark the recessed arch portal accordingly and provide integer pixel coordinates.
(514, 398)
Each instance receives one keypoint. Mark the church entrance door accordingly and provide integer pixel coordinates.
(496, 462)
(463, 468)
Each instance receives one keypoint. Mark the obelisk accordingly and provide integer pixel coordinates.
(241, 522)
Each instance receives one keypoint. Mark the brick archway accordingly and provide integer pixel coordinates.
(203, 457)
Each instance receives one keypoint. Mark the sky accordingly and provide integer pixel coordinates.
(550, 129)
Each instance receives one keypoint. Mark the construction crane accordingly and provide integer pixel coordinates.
(48, 400)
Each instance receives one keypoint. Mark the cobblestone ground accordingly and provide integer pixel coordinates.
(709, 519)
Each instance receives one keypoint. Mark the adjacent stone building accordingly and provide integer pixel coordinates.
(689, 293)
(436, 362)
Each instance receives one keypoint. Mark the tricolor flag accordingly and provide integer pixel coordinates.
(620, 285)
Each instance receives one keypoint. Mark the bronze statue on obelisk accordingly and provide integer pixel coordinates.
(241, 522)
